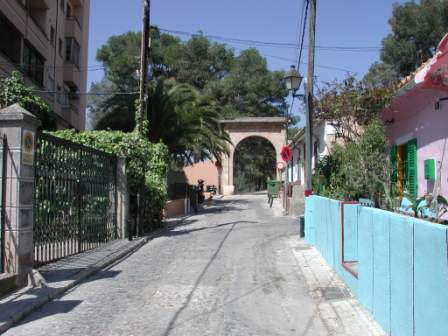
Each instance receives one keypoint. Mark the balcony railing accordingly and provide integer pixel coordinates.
(76, 20)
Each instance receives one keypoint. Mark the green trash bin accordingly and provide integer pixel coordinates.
(273, 190)
(302, 226)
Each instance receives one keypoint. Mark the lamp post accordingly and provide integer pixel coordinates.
(292, 81)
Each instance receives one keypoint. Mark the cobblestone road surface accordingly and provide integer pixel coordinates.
(227, 271)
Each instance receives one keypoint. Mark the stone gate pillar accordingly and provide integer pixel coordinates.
(122, 199)
(20, 128)
(227, 174)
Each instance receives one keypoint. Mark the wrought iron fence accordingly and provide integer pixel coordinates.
(177, 191)
(3, 167)
(75, 199)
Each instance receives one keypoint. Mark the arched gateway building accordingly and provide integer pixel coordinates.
(270, 128)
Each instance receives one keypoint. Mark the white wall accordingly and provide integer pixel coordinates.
(323, 133)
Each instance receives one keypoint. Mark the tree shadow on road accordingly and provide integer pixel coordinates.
(34, 297)
(172, 233)
(198, 281)
(230, 205)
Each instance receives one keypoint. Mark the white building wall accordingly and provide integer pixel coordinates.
(323, 135)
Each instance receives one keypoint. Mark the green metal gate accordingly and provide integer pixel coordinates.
(75, 199)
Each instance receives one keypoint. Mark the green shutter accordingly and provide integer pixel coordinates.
(394, 173)
(411, 165)
(430, 169)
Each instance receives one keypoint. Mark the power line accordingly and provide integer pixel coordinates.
(91, 93)
(303, 34)
(291, 61)
(299, 29)
(272, 44)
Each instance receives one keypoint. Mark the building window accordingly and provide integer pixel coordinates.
(404, 164)
(33, 64)
(61, 47)
(72, 51)
(63, 5)
(69, 10)
(50, 86)
(59, 94)
(65, 96)
(10, 40)
(52, 36)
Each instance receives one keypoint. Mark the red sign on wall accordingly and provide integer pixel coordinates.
(286, 154)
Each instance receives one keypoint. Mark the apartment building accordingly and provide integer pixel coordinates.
(47, 41)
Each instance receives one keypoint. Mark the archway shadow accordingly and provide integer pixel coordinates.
(254, 162)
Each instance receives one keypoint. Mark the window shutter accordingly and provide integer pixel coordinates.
(411, 151)
(394, 174)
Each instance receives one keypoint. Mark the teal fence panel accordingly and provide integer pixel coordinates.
(402, 264)
(365, 253)
(310, 235)
(431, 279)
(381, 268)
(350, 244)
(351, 232)
(402, 275)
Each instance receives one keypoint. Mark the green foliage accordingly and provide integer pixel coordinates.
(423, 206)
(242, 85)
(194, 85)
(417, 28)
(198, 61)
(360, 169)
(250, 89)
(254, 164)
(146, 162)
(380, 75)
(351, 105)
(14, 91)
(183, 119)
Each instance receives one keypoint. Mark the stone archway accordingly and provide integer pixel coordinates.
(272, 129)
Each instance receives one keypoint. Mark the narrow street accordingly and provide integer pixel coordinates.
(227, 271)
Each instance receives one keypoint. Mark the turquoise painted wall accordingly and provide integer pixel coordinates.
(403, 263)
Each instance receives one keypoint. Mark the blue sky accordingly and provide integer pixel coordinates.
(359, 23)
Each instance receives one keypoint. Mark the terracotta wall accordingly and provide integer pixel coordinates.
(202, 170)
(175, 208)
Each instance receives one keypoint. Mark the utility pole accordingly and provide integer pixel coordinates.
(309, 100)
(144, 55)
(285, 193)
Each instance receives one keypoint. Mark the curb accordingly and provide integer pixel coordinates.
(55, 292)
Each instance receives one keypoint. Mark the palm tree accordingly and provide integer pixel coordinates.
(182, 118)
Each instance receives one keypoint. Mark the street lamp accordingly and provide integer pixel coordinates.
(292, 81)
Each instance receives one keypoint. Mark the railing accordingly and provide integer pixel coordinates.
(75, 19)
(3, 167)
(75, 199)
(177, 191)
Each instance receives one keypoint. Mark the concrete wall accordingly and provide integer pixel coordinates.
(297, 201)
(402, 263)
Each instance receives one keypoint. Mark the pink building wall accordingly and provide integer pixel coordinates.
(414, 116)
(206, 171)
